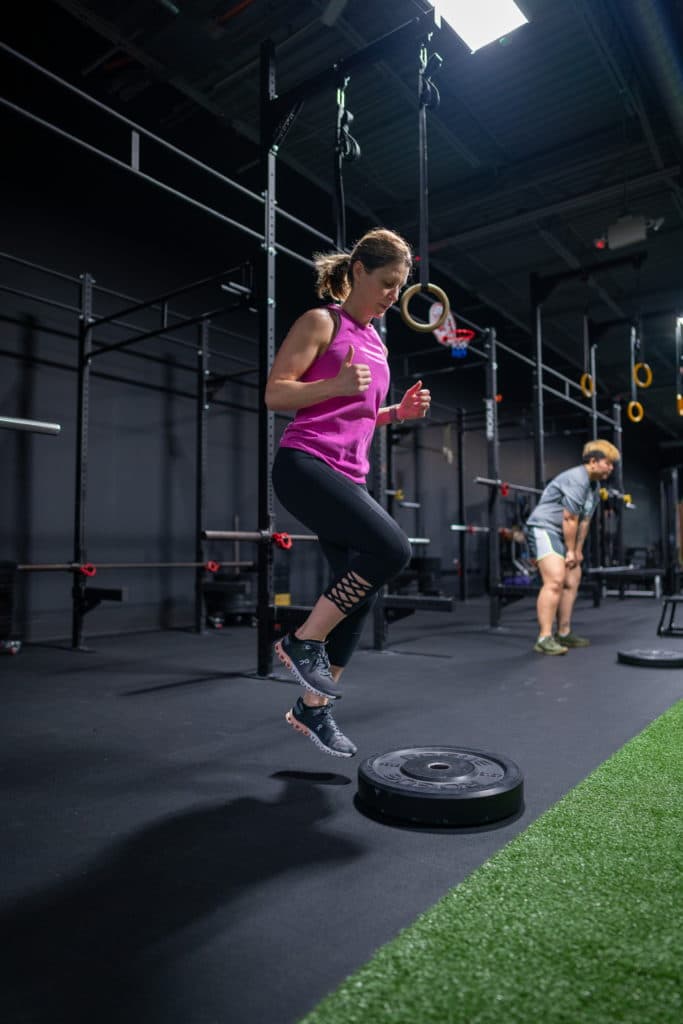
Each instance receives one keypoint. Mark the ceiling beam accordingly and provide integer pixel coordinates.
(529, 217)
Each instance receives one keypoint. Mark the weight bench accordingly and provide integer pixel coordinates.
(669, 606)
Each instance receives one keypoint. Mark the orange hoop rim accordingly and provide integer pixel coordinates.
(635, 412)
(644, 368)
(587, 385)
(419, 325)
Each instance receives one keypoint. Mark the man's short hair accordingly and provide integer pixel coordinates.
(600, 450)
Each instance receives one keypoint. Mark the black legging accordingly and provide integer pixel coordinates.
(358, 537)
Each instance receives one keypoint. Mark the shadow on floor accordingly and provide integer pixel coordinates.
(88, 948)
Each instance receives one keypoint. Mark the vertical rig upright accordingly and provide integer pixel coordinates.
(595, 528)
(201, 460)
(462, 512)
(82, 425)
(618, 442)
(537, 295)
(381, 444)
(266, 424)
(493, 468)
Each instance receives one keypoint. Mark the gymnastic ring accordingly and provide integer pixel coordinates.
(419, 325)
(679, 404)
(587, 386)
(634, 411)
(647, 379)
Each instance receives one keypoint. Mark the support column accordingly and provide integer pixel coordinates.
(539, 434)
(82, 431)
(619, 481)
(201, 459)
(493, 468)
(266, 419)
(462, 537)
(597, 518)
(380, 483)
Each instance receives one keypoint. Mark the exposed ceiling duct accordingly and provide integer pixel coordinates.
(659, 46)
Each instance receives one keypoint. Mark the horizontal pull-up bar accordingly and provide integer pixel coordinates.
(92, 568)
(598, 327)
(580, 405)
(131, 170)
(167, 295)
(145, 133)
(162, 331)
(32, 426)
(505, 487)
(282, 540)
(374, 51)
(463, 528)
(130, 124)
(542, 286)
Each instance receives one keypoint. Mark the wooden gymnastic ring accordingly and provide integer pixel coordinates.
(634, 411)
(587, 386)
(418, 325)
(679, 404)
(647, 380)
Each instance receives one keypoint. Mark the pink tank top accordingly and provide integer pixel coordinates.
(339, 430)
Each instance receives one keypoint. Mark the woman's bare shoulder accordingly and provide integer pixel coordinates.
(318, 318)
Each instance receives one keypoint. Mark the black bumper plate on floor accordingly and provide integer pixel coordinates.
(651, 658)
(446, 786)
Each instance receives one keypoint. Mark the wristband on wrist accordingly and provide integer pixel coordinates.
(393, 414)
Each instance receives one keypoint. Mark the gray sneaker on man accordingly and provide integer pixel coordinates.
(549, 645)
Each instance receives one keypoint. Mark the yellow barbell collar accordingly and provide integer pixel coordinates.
(419, 325)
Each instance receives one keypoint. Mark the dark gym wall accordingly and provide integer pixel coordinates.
(142, 441)
(73, 214)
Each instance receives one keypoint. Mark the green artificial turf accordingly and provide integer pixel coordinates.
(579, 919)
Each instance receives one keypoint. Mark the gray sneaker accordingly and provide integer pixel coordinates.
(319, 725)
(572, 640)
(308, 662)
(549, 645)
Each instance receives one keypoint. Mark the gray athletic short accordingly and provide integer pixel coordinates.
(544, 542)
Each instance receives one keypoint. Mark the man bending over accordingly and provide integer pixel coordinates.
(556, 531)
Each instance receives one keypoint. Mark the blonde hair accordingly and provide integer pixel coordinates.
(377, 248)
(600, 450)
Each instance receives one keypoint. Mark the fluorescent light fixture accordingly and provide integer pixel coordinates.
(479, 22)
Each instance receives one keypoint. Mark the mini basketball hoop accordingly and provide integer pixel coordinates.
(449, 334)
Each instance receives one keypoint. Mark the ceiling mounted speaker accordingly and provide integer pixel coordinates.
(627, 231)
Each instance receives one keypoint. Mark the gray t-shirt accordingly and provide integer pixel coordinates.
(571, 490)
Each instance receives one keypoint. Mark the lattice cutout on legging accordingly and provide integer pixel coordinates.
(348, 592)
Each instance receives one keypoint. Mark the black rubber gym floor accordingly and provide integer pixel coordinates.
(174, 852)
